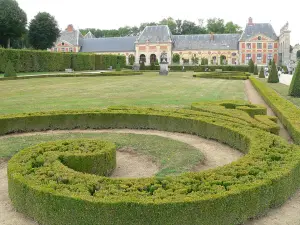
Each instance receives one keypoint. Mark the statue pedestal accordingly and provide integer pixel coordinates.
(164, 69)
(136, 67)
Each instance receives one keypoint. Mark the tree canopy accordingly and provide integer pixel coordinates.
(13, 21)
(177, 27)
(43, 31)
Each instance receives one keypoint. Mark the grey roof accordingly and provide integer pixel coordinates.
(114, 44)
(73, 37)
(154, 34)
(258, 28)
(204, 42)
(89, 35)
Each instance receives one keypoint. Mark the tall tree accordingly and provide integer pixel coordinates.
(231, 28)
(13, 21)
(215, 25)
(171, 24)
(43, 31)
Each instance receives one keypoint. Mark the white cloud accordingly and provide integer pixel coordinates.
(117, 13)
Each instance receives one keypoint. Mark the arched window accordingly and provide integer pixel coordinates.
(153, 58)
(142, 58)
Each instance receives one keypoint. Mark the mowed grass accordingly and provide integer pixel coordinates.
(172, 156)
(176, 90)
(283, 90)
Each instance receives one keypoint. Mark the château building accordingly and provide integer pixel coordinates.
(258, 41)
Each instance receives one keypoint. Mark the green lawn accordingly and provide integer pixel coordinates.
(176, 90)
(174, 157)
(283, 90)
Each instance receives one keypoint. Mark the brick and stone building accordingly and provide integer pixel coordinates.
(258, 41)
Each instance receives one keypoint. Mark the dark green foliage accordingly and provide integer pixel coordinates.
(298, 54)
(204, 61)
(195, 60)
(131, 59)
(270, 62)
(226, 195)
(103, 62)
(83, 61)
(13, 21)
(222, 59)
(153, 66)
(118, 67)
(222, 67)
(295, 84)
(255, 70)
(286, 111)
(251, 66)
(43, 31)
(142, 66)
(176, 58)
(261, 73)
(234, 75)
(10, 71)
(273, 76)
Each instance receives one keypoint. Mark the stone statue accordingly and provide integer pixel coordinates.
(164, 57)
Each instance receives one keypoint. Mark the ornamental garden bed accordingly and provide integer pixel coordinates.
(42, 186)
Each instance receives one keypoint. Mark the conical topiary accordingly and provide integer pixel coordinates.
(295, 84)
(251, 66)
(9, 70)
(261, 73)
(255, 70)
(273, 76)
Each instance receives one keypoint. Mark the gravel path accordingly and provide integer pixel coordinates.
(129, 164)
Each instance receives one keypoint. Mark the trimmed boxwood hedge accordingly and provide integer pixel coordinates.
(84, 74)
(286, 111)
(44, 61)
(266, 177)
(235, 75)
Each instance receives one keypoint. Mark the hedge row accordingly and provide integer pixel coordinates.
(100, 74)
(264, 178)
(200, 68)
(214, 75)
(286, 111)
(44, 61)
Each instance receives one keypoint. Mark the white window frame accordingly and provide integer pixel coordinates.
(270, 56)
(249, 45)
(270, 46)
(259, 59)
(261, 45)
(63, 49)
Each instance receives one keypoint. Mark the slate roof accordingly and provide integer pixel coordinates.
(258, 28)
(203, 42)
(113, 44)
(154, 34)
(73, 37)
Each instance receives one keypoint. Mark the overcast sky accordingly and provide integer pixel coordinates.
(112, 14)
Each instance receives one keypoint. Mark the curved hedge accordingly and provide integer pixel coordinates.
(266, 177)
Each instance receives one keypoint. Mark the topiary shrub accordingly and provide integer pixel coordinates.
(251, 66)
(261, 73)
(9, 70)
(273, 76)
(295, 84)
(176, 58)
(255, 70)
(142, 66)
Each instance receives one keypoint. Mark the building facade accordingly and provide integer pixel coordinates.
(258, 41)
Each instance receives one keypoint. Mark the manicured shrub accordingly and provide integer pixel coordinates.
(176, 58)
(103, 62)
(142, 66)
(255, 70)
(152, 66)
(286, 111)
(118, 67)
(234, 75)
(131, 59)
(294, 89)
(9, 71)
(273, 76)
(251, 66)
(264, 178)
(261, 73)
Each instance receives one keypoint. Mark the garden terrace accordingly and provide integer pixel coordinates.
(264, 178)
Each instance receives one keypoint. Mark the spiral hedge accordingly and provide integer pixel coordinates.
(55, 194)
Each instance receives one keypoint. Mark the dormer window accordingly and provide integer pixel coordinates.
(259, 38)
(63, 43)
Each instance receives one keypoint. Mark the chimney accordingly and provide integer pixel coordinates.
(70, 28)
(250, 21)
(212, 37)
